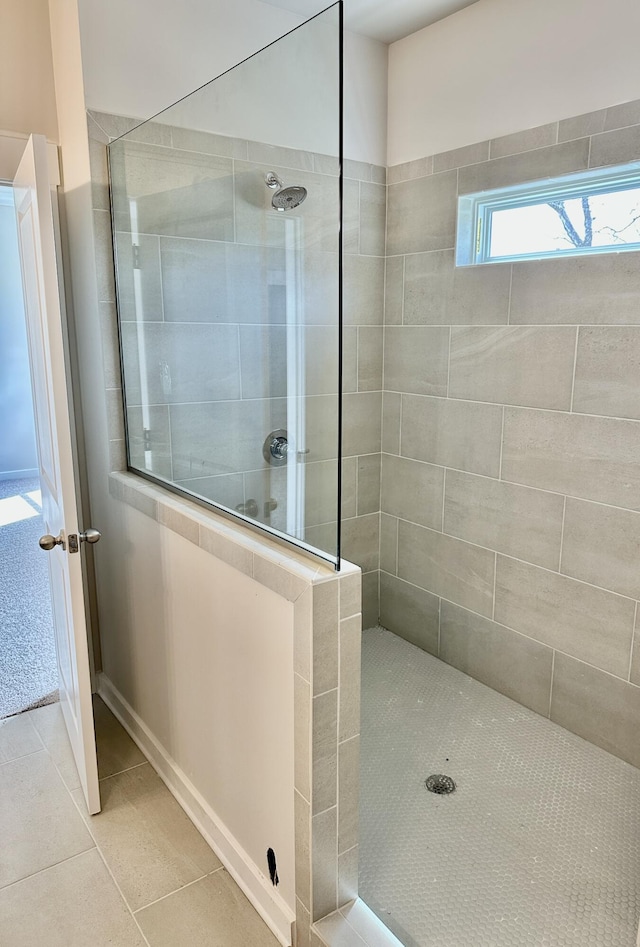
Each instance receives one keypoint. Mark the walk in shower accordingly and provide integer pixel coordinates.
(510, 546)
(462, 422)
(226, 214)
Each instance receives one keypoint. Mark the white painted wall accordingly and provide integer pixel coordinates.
(141, 57)
(204, 655)
(498, 67)
(178, 627)
(27, 100)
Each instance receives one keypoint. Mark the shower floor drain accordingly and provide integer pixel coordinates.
(442, 785)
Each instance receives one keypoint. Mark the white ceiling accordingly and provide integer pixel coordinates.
(384, 20)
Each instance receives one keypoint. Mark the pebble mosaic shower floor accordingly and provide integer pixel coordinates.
(539, 846)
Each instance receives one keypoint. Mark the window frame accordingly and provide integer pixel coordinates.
(475, 211)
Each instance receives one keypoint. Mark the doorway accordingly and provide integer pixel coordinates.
(28, 670)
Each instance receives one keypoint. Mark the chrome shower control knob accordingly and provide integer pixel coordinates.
(279, 448)
(276, 447)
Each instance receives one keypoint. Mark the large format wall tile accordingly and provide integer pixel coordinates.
(539, 137)
(410, 612)
(511, 519)
(370, 357)
(528, 166)
(361, 432)
(412, 490)
(436, 292)
(520, 365)
(596, 706)
(206, 281)
(538, 432)
(608, 372)
(145, 261)
(595, 290)
(511, 663)
(592, 458)
(452, 433)
(184, 362)
(373, 214)
(197, 430)
(570, 616)
(421, 214)
(363, 290)
(447, 567)
(615, 147)
(416, 359)
(601, 545)
(361, 541)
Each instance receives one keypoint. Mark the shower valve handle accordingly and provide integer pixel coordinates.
(279, 447)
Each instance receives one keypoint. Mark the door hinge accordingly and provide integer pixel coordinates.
(136, 256)
(146, 438)
(479, 237)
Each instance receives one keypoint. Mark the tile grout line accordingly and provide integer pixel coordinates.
(444, 494)
(41, 871)
(514, 631)
(23, 756)
(107, 866)
(181, 888)
(495, 582)
(564, 513)
(633, 642)
(507, 555)
(575, 368)
(121, 771)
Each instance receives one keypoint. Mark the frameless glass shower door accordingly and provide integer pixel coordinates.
(226, 215)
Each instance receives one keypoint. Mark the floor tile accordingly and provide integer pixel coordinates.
(210, 913)
(537, 845)
(116, 749)
(17, 738)
(73, 904)
(149, 843)
(51, 727)
(39, 824)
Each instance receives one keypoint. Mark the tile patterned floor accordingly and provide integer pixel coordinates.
(137, 874)
(538, 847)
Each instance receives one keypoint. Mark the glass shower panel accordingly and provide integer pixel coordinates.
(226, 214)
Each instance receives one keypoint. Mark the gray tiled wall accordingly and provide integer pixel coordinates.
(510, 497)
(213, 284)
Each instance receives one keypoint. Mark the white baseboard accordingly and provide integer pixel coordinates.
(274, 911)
(19, 474)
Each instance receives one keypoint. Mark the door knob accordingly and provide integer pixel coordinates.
(90, 536)
(49, 542)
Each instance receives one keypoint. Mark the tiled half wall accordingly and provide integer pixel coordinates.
(510, 526)
(327, 605)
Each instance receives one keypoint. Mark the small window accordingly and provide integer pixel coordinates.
(589, 212)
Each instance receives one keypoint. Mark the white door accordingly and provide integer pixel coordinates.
(53, 408)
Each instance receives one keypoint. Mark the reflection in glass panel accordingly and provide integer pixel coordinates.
(226, 211)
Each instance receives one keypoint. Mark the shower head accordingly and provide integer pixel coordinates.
(289, 197)
(285, 198)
